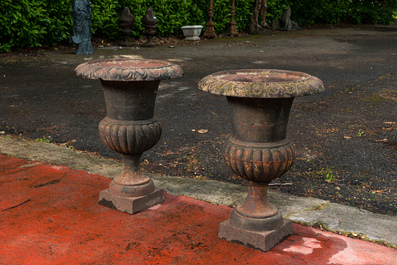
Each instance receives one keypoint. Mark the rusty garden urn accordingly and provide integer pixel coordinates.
(130, 87)
(258, 150)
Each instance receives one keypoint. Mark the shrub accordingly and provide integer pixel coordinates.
(23, 23)
(105, 18)
(33, 23)
(307, 12)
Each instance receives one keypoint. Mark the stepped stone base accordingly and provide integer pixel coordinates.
(262, 241)
(130, 205)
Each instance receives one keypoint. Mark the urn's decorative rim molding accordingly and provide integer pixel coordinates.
(129, 70)
(261, 83)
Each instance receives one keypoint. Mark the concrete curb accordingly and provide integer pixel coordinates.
(310, 211)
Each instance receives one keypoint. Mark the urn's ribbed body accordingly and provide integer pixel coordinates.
(129, 138)
(259, 164)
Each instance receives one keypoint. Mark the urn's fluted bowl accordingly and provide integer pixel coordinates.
(261, 83)
(129, 70)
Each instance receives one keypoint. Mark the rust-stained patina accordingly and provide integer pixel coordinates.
(129, 70)
(130, 88)
(258, 150)
(210, 25)
(258, 83)
(259, 162)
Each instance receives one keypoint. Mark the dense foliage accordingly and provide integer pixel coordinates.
(171, 15)
(336, 11)
(33, 23)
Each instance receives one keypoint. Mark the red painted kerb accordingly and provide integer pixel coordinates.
(49, 215)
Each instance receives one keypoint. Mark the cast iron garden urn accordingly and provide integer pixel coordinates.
(258, 150)
(130, 87)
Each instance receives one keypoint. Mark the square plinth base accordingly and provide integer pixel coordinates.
(262, 241)
(130, 205)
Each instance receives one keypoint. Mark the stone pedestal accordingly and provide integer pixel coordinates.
(260, 240)
(130, 205)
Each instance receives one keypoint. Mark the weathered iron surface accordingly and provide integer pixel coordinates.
(130, 129)
(210, 25)
(129, 70)
(149, 22)
(258, 150)
(129, 137)
(126, 21)
(232, 29)
(261, 83)
(258, 162)
(130, 88)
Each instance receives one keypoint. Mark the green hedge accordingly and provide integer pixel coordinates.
(336, 11)
(33, 23)
(171, 15)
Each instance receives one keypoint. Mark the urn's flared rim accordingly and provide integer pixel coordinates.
(129, 70)
(261, 83)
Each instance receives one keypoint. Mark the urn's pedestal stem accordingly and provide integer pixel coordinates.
(256, 213)
(256, 205)
(131, 182)
(131, 170)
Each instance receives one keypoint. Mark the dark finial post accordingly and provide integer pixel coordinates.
(126, 20)
(150, 23)
(210, 26)
(232, 31)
